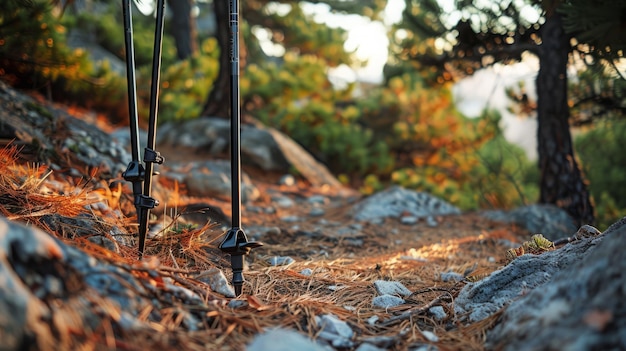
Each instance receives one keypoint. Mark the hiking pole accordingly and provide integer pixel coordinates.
(235, 242)
(150, 156)
(134, 172)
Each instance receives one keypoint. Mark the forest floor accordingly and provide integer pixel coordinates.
(342, 273)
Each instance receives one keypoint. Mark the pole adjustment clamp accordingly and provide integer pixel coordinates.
(150, 155)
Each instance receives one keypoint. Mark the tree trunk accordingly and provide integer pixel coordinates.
(183, 28)
(561, 183)
(217, 104)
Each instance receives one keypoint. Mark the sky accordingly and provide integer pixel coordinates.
(368, 38)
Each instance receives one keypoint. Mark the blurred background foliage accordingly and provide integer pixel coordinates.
(403, 131)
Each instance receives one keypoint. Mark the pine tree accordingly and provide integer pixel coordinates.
(477, 34)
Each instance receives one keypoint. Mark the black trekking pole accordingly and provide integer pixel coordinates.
(150, 156)
(235, 242)
(134, 172)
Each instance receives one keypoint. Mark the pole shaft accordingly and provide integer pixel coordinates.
(152, 121)
(235, 113)
(131, 80)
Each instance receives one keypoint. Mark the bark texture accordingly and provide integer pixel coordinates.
(562, 182)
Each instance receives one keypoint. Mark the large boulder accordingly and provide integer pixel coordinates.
(49, 291)
(571, 298)
(583, 307)
(80, 142)
(261, 146)
(397, 201)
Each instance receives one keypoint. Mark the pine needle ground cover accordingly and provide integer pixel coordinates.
(329, 275)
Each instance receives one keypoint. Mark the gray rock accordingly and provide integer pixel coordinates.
(216, 279)
(396, 201)
(318, 199)
(287, 180)
(384, 342)
(280, 260)
(307, 272)
(283, 340)
(368, 347)
(290, 219)
(334, 330)
(105, 242)
(583, 304)
(85, 141)
(384, 287)
(387, 301)
(32, 265)
(282, 201)
(212, 178)
(261, 149)
(408, 220)
(451, 277)
(317, 212)
(261, 146)
(549, 220)
(234, 304)
(20, 310)
(438, 312)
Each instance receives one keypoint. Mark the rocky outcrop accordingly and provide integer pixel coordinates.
(28, 124)
(397, 202)
(49, 290)
(569, 298)
(261, 146)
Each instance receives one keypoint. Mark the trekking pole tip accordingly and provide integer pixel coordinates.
(237, 245)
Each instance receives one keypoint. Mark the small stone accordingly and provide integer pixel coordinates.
(368, 347)
(391, 288)
(372, 320)
(307, 272)
(234, 304)
(317, 212)
(287, 180)
(280, 260)
(451, 277)
(282, 201)
(290, 219)
(283, 340)
(387, 301)
(438, 313)
(386, 342)
(408, 220)
(317, 199)
(216, 279)
(331, 324)
(353, 242)
(430, 336)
